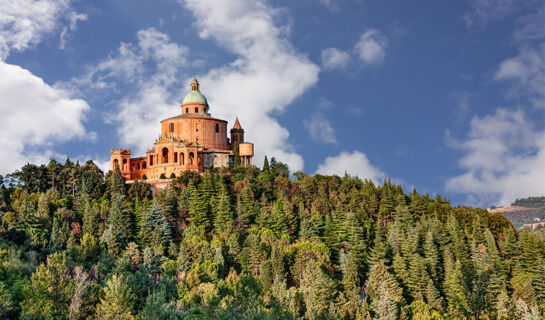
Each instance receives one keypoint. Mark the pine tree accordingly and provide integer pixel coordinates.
(51, 290)
(317, 289)
(120, 221)
(384, 306)
(433, 297)
(156, 232)
(117, 301)
(223, 220)
(91, 219)
(198, 210)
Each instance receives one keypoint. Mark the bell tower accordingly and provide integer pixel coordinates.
(237, 133)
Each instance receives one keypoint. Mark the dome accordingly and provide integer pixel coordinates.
(194, 96)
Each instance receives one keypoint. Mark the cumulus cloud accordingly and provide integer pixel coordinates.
(148, 72)
(267, 75)
(333, 58)
(354, 163)
(35, 116)
(23, 23)
(320, 129)
(527, 71)
(371, 47)
(504, 159)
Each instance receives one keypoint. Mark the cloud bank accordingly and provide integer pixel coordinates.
(35, 115)
(267, 75)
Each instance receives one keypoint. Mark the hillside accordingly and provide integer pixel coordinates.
(250, 243)
(527, 212)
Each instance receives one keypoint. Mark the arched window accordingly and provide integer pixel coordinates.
(217, 128)
(196, 109)
(116, 163)
(124, 164)
(151, 160)
(171, 127)
(165, 155)
(143, 164)
(175, 157)
(186, 110)
(191, 156)
(182, 160)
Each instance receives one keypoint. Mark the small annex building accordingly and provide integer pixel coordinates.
(192, 140)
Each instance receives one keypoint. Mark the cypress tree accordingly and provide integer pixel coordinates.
(236, 156)
(266, 165)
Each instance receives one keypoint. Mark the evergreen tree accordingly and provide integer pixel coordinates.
(223, 220)
(51, 290)
(266, 165)
(198, 209)
(117, 301)
(155, 230)
(236, 156)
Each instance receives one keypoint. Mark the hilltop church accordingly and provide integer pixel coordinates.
(193, 140)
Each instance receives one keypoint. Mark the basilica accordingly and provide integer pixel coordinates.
(192, 140)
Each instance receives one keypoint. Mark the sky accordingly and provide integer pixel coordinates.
(447, 97)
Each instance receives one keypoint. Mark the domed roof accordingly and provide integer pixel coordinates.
(194, 96)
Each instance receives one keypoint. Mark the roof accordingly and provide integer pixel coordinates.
(237, 125)
(194, 96)
(193, 116)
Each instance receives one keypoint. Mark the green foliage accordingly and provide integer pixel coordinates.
(246, 243)
(117, 300)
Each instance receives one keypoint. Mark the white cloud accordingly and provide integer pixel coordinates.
(484, 11)
(333, 58)
(267, 75)
(35, 116)
(23, 23)
(149, 73)
(527, 70)
(67, 30)
(320, 129)
(371, 46)
(504, 159)
(354, 163)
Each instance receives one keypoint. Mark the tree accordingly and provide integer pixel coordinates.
(236, 156)
(155, 230)
(117, 301)
(119, 220)
(51, 290)
(198, 209)
(224, 217)
(317, 289)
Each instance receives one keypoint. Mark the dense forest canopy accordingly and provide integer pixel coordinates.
(530, 202)
(250, 243)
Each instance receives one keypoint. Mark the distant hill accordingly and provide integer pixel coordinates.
(526, 212)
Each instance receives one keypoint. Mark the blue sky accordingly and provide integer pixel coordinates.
(444, 96)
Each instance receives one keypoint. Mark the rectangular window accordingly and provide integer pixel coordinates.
(171, 127)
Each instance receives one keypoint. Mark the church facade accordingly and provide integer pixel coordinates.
(192, 140)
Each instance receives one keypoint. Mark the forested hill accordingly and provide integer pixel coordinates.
(249, 243)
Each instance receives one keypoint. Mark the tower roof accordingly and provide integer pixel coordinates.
(237, 124)
(194, 96)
